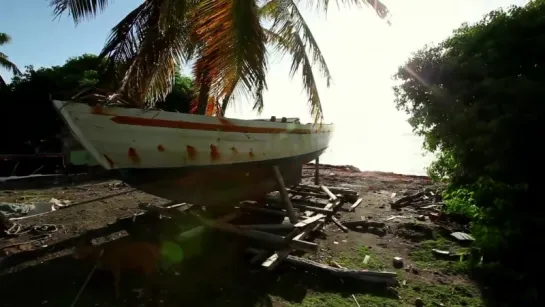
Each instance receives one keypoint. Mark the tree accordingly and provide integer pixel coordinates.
(29, 115)
(4, 62)
(476, 98)
(225, 38)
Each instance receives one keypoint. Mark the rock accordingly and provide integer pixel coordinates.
(418, 302)
(421, 217)
(398, 262)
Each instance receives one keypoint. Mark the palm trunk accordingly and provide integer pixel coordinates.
(225, 103)
(203, 98)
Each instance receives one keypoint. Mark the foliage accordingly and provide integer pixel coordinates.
(29, 115)
(226, 40)
(476, 98)
(4, 61)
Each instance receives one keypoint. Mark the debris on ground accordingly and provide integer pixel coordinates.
(462, 236)
(398, 262)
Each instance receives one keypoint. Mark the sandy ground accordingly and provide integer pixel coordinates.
(214, 271)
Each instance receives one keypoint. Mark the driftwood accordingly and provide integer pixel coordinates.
(364, 275)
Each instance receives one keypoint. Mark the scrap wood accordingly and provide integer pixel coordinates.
(339, 224)
(273, 239)
(274, 260)
(357, 203)
(363, 275)
(332, 197)
(310, 220)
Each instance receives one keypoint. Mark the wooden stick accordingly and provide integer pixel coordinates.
(310, 220)
(341, 226)
(332, 196)
(357, 203)
(355, 300)
(285, 196)
(317, 171)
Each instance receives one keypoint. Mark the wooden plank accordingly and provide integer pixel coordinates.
(285, 196)
(310, 220)
(343, 191)
(267, 226)
(311, 208)
(275, 259)
(306, 246)
(341, 226)
(357, 203)
(332, 196)
(364, 275)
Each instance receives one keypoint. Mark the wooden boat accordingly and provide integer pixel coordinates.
(197, 159)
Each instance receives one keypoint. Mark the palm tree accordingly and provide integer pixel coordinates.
(225, 39)
(4, 62)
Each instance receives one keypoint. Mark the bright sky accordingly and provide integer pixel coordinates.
(361, 50)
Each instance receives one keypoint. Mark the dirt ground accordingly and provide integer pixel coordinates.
(213, 270)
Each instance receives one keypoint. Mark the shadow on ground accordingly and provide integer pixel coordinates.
(214, 271)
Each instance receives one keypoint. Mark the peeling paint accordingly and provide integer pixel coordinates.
(191, 152)
(160, 148)
(214, 153)
(110, 162)
(133, 155)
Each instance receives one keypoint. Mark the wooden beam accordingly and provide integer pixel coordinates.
(357, 203)
(317, 171)
(285, 196)
(332, 196)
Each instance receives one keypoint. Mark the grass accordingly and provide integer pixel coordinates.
(355, 259)
(432, 294)
(425, 258)
(453, 295)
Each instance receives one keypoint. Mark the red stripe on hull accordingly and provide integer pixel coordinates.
(164, 123)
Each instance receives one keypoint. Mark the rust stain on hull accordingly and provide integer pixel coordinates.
(133, 155)
(191, 152)
(251, 154)
(160, 148)
(214, 153)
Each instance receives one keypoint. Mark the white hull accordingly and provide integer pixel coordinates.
(126, 138)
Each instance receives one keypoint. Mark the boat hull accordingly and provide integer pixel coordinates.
(190, 158)
(222, 185)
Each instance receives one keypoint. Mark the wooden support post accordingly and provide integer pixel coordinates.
(317, 171)
(285, 196)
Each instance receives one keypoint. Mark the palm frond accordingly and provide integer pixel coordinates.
(79, 9)
(8, 65)
(148, 50)
(4, 38)
(287, 18)
(233, 53)
(291, 43)
(380, 8)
